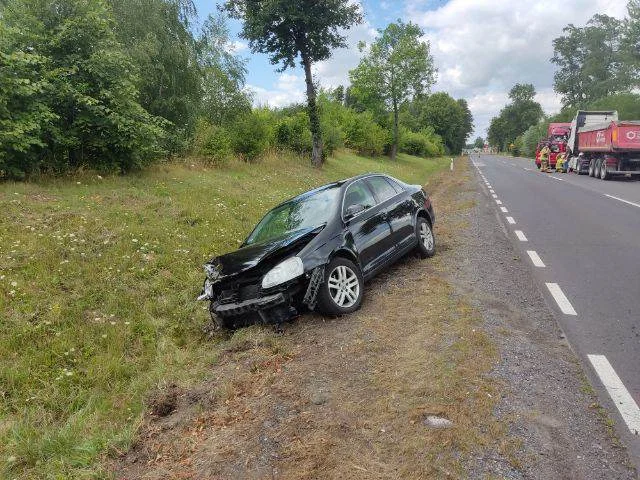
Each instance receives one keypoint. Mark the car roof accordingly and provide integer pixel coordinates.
(339, 183)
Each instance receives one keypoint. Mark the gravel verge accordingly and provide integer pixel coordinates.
(555, 424)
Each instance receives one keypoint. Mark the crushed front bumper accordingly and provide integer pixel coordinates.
(248, 306)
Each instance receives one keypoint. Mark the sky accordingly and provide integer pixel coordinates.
(481, 48)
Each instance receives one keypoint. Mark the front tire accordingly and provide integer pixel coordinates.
(342, 288)
(426, 240)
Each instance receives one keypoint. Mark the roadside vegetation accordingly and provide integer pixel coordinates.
(90, 84)
(98, 281)
(598, 69)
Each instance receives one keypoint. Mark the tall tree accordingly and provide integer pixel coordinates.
(450, 118)
(397, 67)
(288, 30)
(478, 142)
(516, 117)
(591, 61)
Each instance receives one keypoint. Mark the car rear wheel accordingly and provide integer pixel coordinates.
(426, 240)
(341, 291)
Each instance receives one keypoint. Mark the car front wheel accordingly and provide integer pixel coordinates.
(341, 291)
(426, 240)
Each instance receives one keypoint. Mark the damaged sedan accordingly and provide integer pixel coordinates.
(317, 250)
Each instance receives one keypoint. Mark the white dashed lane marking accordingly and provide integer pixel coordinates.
(494, 195)
(521, 236)
(504, 209)
(623, 200)
(623, 400)
(561, 299)
(499, 202)
(535, 258)
(511, 220)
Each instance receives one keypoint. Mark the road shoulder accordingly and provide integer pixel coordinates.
(547, 403)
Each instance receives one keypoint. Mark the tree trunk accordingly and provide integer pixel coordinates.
(394, 147)
(314, 117)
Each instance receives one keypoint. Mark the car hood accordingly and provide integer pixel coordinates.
(250, 256)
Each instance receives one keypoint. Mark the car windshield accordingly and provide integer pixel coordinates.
(298, 214)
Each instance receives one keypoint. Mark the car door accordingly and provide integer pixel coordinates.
(368, 230)
(398, 207)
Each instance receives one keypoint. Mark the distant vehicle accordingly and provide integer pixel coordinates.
(604, 146)
(316, 250)
(558, 134)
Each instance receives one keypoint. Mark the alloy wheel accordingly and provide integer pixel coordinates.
(344, 286)
(426, 237)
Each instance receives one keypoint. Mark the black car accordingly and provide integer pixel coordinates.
(316, 250)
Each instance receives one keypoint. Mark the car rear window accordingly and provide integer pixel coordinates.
(382, 188)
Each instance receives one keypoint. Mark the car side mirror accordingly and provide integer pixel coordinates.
(353, 210)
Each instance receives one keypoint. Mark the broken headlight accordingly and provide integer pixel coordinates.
(283, 272)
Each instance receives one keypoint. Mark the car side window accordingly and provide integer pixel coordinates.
(396, 186)
(358, 193)
(382, 189)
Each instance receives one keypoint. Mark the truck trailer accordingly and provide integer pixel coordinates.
(603, 146)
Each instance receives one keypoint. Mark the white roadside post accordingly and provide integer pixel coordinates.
(451, 165)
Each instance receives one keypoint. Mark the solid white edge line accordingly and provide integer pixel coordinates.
(535, 258)
(504, 209)
(561, 299)
(499, 202)
(621, 397)
(521, 236)
(623, 200)
(511, 220)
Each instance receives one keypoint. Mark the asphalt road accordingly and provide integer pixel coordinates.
(581, 237)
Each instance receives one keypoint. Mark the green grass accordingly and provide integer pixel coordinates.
(98, 278)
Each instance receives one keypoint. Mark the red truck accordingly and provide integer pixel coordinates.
(603, 146)
(557, 135)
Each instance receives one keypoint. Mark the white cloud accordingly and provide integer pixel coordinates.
(238, 46)
(483, 47)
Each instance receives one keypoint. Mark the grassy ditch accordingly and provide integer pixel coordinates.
(345, 398)
(97, 285)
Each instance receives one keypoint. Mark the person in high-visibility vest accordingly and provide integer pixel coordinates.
(544, 158)
(560, 162)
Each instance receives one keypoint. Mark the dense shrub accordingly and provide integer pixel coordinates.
(75, 103)
(212, 142)
(364, 135)
(425, 143)
(252, 134)
(293, 132)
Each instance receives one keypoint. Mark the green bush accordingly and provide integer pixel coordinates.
(425, 143)
(212, 142)
(364, 135)
(252, 134)
(293, 132)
